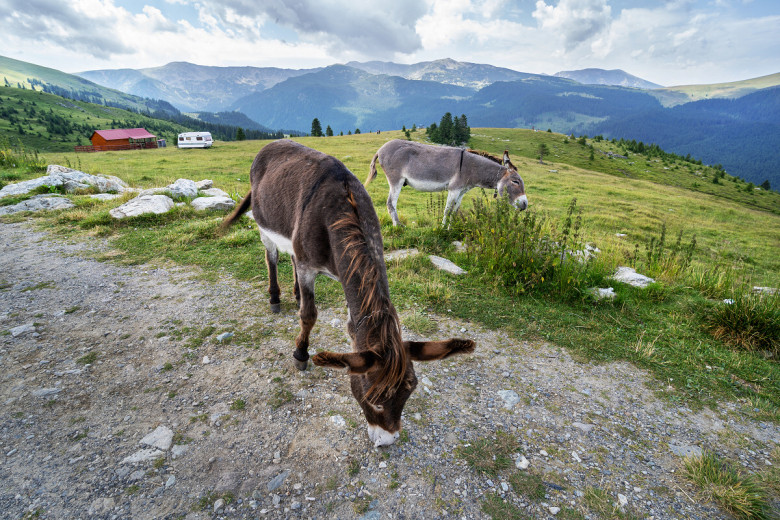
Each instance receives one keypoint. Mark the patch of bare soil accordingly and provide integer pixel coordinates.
(95, 356)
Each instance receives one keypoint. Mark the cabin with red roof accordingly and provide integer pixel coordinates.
(120, 139)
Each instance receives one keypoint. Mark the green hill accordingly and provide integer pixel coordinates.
(671, 96)
(25, 75)
(51, 123)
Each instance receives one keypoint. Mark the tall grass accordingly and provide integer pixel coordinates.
(18, 157)
(528, 252)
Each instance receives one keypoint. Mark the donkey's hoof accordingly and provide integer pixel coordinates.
(301, 365)
(276, 308)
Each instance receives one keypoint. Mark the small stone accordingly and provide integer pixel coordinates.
(446, 265)
(338, 421)
(382, 465)
(554, 510)
(46, 392)
(218, 505)
(277, 481)
(206, 360)
(335, 323)
(295, 505)
(509, 397)
(142, 456)
(224, 336)
(575, 456)
(160, 438)
(544, 453)
(522, 462)
(22, 329)
(170, 482)
(582, 426)
(622, 500)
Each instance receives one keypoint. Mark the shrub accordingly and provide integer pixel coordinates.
(751, 322)
(17, 156)
(525, 252)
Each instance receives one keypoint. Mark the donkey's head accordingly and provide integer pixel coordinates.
(512, 185)
(381, 388)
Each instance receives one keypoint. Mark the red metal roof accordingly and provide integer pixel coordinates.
(124, 133)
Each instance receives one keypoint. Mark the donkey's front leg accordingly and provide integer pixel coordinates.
(308, 313)
(392, 201)
(454, 196)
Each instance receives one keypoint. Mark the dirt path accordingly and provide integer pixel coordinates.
(111, 353)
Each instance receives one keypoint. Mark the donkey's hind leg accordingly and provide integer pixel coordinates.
(296, 288)
(392, 201)
(308, 315)
(271, 259)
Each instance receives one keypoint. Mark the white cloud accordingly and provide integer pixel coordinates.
(575, 21)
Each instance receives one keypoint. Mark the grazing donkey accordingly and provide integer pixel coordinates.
(427, 167)
(311, 206)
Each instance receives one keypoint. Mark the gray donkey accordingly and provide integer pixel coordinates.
(428, 167)
(309, 205)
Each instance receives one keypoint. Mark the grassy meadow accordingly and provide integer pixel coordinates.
(733, 236)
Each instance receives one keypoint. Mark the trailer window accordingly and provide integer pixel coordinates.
(199, 138)
(181, 138)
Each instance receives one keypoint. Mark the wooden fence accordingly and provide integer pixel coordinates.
(114, 147)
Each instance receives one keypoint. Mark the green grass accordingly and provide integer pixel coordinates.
(661, 329)
(489, 455)
(742, 495)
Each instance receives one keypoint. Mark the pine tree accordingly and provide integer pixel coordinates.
(316, 128)
(329, 131)
(240, 135)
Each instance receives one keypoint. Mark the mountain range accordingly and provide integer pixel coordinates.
(723, 124)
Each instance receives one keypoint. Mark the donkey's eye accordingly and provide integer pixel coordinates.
(377, 407)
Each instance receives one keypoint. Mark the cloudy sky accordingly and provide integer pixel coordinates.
(671, 42)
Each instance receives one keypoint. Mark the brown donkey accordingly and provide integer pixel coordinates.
(311, 206)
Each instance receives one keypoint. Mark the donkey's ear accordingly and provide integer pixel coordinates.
(505, 161)
(433, 350)
(354, 362)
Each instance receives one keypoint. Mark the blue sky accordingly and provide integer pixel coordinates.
(668, 42)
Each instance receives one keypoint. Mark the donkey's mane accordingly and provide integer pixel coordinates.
(492, 157)
(383, 330)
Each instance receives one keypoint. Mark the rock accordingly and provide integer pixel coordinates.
(22, 329)
(136, 475)
(105, 196)
(178, 450)
(554, 510)
(141, 205)
(183, 189)
(400, 254)
(206, 360)
(170, 482)
(522, 462)
(335, 323)
(338, 421)
(446, 265)
(142, 456)
(39, 203)
(765, 290)
(460, 247)
(160, 438)
(620, 235)
(218, 505)
(575, 456)
(607, 293)
(68, 178)
(583, 426)
(213, 192)
(622, 500)
(224, 336)
(631, 277)
(277, 481)
(213, 203)
(205, 184)
(685, 450)
(509, 397)
(101, 506)
(46, 392)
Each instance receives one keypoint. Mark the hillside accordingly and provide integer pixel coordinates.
(615, 77)
(347, 98)
(25, 75)
(671, 96)
(51, 123)
(193, 88)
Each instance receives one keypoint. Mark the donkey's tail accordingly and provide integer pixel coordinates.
(236, 214)
(372, 171)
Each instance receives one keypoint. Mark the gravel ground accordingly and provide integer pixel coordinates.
(94, 357)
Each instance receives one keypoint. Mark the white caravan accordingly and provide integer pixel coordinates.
(195, 140)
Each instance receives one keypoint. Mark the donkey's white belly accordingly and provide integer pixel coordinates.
(281, 242)
(422, 185)
(284, 245)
